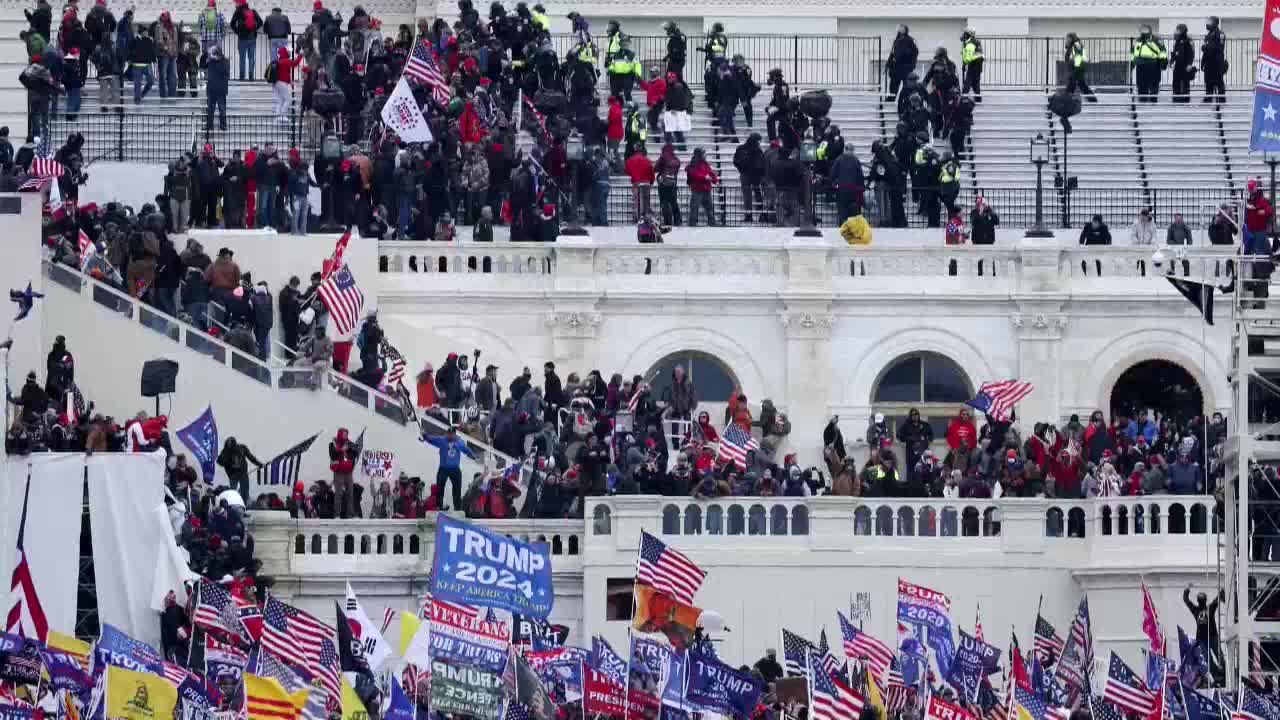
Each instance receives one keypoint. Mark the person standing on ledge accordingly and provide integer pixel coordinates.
(451, 451)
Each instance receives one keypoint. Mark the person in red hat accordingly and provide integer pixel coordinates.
(284, 66)
(1259, 216)
(73, 81)
(212, 26)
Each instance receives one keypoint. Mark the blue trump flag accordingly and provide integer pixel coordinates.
(454, 648)
(1199, 707)
(606, 660)
(474, 566)
(970, 665)
(719, 688)
(921, 607)
(401, 707)
(65, 672)
(201, 437)
(118, 649)
(1193, 665)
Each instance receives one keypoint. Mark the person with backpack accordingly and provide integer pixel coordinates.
(104, 61)
(41, 89)
(245, 23)
(667, 170)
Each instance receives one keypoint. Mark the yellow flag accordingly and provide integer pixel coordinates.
(139, 696)
(78, 649)
(352, 708)
(873, 693)
(409, 624)
(266, 699)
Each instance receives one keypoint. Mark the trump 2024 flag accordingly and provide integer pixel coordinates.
(1265, 134)
(403, 116)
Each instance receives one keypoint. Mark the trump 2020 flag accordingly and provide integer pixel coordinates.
(1265, 135)
(403, 116)
(201, 437)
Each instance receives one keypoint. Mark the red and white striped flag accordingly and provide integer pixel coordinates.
(46, 168)
(996, 400)
(425, 68)
(344, 301)
(26, 617)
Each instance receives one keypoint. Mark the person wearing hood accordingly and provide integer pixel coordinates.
(1205, 614)
(749, 161)
(263, 318)
(679, 400)
(343, 455)
(235, 459)
(902, 59)
(33, 399)
(701, 179)
(1182, 57)
(60, 368)
(667, 176)
(848, 183)
(915, 435)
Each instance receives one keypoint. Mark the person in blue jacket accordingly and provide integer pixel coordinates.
(451, 451)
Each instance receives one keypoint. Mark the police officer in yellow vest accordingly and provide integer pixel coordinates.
(613, 41)
(949, 181)
(1077, 62)
(1149, 60)
(971, 60)
(636, 130)
(623, 70)
(539, 19)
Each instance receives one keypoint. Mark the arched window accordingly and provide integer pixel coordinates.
(710, 375)
(931, 383)
(1159, 385)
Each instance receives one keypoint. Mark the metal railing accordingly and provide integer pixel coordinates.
(131, 136)
(1015, 206)
(853, 61)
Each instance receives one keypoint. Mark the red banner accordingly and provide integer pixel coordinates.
(940, 709)
(602, 695)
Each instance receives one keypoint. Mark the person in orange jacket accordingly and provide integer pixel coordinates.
(738, 412)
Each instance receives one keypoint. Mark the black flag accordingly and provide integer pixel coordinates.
(1200, 295)
(349, 655)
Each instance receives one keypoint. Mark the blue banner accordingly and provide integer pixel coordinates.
(967, 669)
(474, 566)
(201, 437)
(192, 691)
(1265, 134)
(116, 648)
(607, 661)
(922, 607)
(458, 651)
(19, 660)
(401, 708)
(673, 693)
(65, 672)
(13, 712)
(719, 688)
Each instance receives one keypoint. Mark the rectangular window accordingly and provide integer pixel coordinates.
(619, 601)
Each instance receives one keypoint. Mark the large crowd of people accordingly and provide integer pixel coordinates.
(497, 70)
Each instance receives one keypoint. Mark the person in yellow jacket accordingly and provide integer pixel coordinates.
(856, 230)
(971, 60)
(1077, 60)
(1149, 60)
(539, 19)
(624, 69)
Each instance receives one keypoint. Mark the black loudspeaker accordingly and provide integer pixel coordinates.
(158, 377)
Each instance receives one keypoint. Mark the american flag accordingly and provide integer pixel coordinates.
(1103, 710)
(795, 653)
(387, 616)
(1126, 689)
(326, 669)
(215, 610)
(995, 400)
(1151, 622)
(667, 570)
(26, 617)
(1031, 706)
(829, 662)
(1254, 705)
(895, 696)
(35, 184)
(293, 635)
(45, 167)
(1047, 642)
(1077, 656)
(423, 67)
(283, 469)
(395, 364)
(517, 711)
(858, 644)
(176, 674)
(832, 699)
(734, 445)
(75, 405)
(342, 298)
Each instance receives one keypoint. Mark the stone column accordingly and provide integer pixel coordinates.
(1039, 323)
(809, 385)
(573, 319)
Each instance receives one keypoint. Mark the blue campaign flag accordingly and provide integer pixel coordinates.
(1193, 665)
(673, 693)
(1265, 133)
(401, 708)
(201, 437)
(969, 666)
(65, 672)
(714, 686)
(921, 607)
(452, 647)
(118, 649)
(474, 566)
(1199, 707)
(15, 712)
(605, 660)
